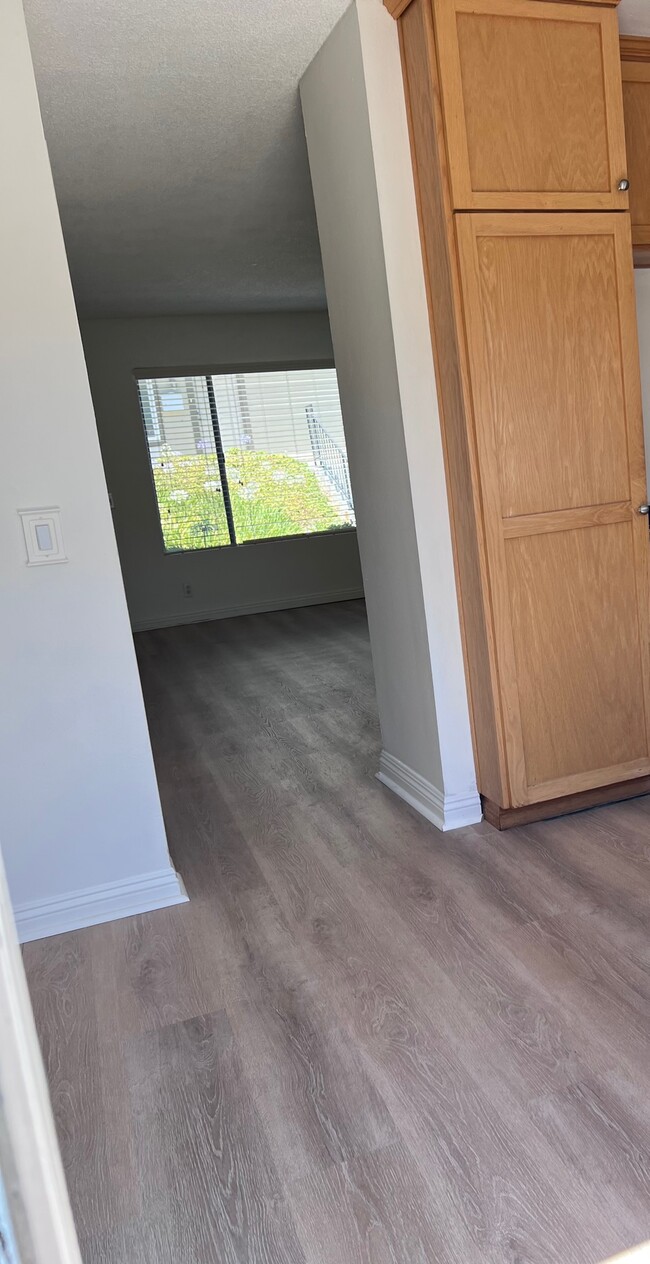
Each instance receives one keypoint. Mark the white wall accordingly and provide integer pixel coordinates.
(266, 576)
(79, 805)
(634, 18)
(357, 137)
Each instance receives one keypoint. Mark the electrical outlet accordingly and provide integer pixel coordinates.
(187, 590)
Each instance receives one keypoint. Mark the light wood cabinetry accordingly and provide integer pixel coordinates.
(527, 252)
(635, 56)
(532, 103)
(549, 310)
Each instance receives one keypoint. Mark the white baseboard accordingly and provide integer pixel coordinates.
(445, 811)
(105, 903)
(249, 607)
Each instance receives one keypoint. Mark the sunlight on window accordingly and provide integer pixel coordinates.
(638, 1255)
(240, 457)
(171, 402)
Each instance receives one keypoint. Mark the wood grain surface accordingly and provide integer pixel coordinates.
(516, 106)
(397, 7)
(553, 350)
(635, 48)
(532, 104)
(362, 1041)
(506, 818)
(551, 329)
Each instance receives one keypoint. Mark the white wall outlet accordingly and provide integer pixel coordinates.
(43, 538)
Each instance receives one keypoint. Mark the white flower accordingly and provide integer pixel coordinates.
(167, 466)
(296, 478)
(249, 491)
(212, 486)
(234, 474)
(279, 476)
(179, 495)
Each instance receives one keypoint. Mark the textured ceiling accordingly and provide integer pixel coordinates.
(177, 148)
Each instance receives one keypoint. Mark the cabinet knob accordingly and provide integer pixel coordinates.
(623, 186)
(644, 509)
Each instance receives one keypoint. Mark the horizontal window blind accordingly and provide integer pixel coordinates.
(238, 457)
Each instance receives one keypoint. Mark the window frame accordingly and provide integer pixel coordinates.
(284, 366)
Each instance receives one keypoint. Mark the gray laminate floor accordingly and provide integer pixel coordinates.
(362, 1041)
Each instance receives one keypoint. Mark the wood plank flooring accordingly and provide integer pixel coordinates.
(362, 1042)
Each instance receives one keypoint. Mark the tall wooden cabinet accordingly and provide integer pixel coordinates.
(516, 118)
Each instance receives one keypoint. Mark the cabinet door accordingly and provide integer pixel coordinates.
(552, 346)
(533, 104)
(636, 106)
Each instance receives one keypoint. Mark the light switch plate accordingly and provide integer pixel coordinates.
(43, 538)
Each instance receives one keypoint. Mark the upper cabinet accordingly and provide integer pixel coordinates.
(635, 54)
(532, 104)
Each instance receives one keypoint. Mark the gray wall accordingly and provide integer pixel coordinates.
(357, 139)
(340, 154)
(270, 575)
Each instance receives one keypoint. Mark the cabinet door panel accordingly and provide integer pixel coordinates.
(551, 331)
(561, 442)
(533, 105)
(577, 652)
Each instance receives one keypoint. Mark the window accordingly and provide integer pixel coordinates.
(237, 457)
(149, 413)
(171, 402)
